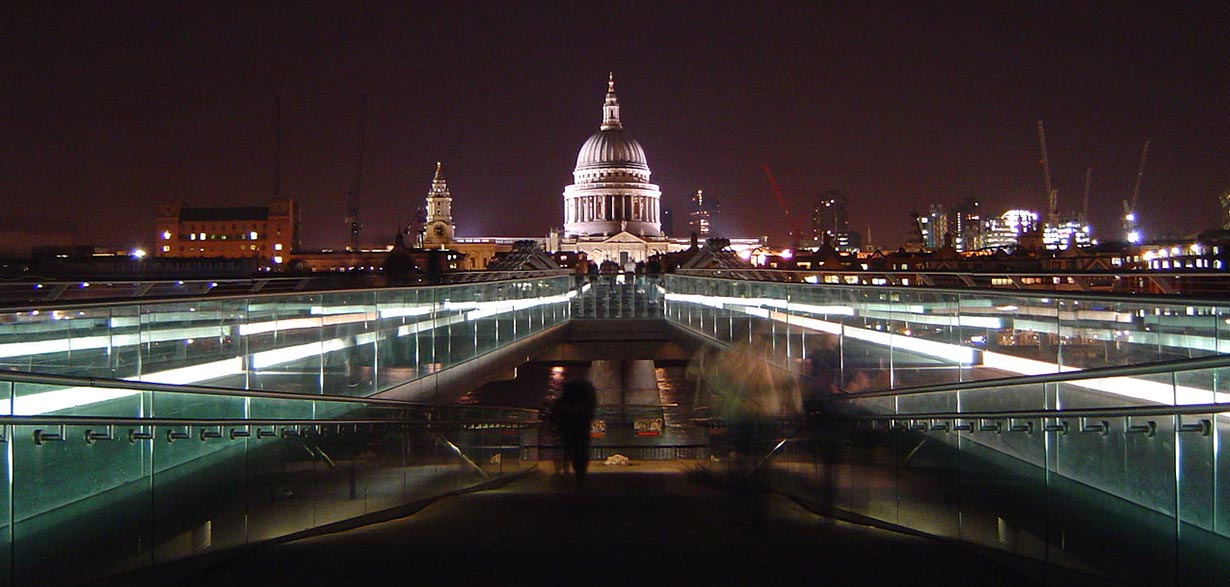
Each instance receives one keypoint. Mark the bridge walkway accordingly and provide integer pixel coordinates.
(661, 523)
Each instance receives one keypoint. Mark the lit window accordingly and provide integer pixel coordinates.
(252, 235)
(202, 236)
(192, 236)
(166, 235)
(277, 259)
(277, 246)
(166, 248)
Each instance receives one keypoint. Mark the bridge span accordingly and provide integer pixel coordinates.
(1062, 435)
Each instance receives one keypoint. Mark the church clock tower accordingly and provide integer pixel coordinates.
(438, 229)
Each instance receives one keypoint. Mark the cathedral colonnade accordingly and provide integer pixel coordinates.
(615, 207)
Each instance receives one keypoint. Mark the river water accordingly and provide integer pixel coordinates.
(537, 384)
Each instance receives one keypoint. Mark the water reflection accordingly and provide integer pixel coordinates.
(538, 384)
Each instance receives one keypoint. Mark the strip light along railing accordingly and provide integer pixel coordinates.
(1159, 368)
(138, 386)
(1167, 283)
(29, 294)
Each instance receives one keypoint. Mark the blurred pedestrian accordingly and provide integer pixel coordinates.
(758, 394)
(572, 417)
(825, 372)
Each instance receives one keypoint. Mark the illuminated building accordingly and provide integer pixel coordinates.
(1005, 230)
(702, 212)
(611, 192)
(438, 229)
(611, 211)
(1068, 231)
(829, 215)
(966, 226)
(932, 227)
(1205, 253)
(265, 232)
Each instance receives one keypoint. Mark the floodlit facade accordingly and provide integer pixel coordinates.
(1005, 230)
(438, 229)
(611, 192)
(267, 232)
(611, 211)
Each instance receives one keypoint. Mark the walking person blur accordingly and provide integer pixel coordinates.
(571, 417)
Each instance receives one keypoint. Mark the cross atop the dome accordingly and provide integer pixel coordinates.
(610, 109)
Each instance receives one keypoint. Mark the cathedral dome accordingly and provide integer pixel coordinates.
(611, 192)
(611, 148)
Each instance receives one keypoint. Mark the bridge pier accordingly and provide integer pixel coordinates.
(624, 383)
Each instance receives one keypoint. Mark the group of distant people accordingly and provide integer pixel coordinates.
(744, 385)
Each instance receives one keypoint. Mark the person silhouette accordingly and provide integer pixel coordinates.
(572, 416)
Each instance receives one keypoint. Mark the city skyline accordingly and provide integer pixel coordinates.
(113, 110)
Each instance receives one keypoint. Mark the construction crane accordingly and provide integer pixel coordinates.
(1131, 228)
(1052, 196)
(795, 234)
(356, 188)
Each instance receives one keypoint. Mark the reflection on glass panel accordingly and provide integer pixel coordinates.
(284, 343)
(1199, 386)
(31, 399)
(1138, 390)
(199, 484)
(184, 405)
(925, 329)
(67, 492)
(6, 491)
(1221, 497)
(350, 343)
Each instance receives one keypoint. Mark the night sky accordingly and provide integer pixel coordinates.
(109, 108)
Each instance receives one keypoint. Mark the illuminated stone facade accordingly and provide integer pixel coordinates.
(438, 229)
(611, 192)
(267, 232)
(611, 211)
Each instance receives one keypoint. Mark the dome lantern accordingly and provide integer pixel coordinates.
(610, 109)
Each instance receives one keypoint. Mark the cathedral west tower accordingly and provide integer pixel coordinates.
(611, 192)
(438, 228)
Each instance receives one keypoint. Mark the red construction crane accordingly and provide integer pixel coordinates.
(795, 234)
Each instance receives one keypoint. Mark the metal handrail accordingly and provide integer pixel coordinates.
(1038, 293)
(1158, 368)
(138, 421)
(106, 383)
(447, 279)
(1118, 412)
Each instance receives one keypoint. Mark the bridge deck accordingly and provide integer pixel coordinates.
(648, 523)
